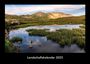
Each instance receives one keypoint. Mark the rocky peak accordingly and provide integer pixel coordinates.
(39, 13)
(54, 15)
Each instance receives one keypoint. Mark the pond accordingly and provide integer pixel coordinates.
(40, 43)
(53, 27)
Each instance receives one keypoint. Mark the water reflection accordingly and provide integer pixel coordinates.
(41, 44)
(54, 27)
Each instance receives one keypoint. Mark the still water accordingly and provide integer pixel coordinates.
(40, 43)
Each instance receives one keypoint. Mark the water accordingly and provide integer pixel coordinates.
(53, 27)
(40, 43)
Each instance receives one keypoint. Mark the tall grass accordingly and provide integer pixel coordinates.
(63, 36)
(9, 47)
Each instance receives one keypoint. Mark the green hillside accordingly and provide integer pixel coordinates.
(41, 19)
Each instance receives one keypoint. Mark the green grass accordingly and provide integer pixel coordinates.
(9, 47)
(24, 22)
(82, 26)
(63, 36)
(16, 39)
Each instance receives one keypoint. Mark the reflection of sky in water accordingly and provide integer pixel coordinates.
(47, 46)
(19, 33)
(54, 27)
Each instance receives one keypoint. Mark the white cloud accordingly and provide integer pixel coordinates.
(16, 9)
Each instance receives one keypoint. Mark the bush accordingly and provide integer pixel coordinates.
(9, 48)
(16, 39)
(82, 26)
(63, 36)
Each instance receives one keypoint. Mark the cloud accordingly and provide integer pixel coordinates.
(22, 9)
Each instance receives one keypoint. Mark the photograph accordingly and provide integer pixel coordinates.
(45, 28)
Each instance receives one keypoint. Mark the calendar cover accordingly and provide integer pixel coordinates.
(45, 28)
(45, 33)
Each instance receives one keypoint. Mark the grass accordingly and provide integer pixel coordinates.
(63, 36)
(35, 20)
(9, 47)
(16, 39)
(82, 26)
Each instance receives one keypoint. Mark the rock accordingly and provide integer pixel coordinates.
(6, 34)
(30, 46)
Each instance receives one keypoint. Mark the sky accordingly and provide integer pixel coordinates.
(75, 10)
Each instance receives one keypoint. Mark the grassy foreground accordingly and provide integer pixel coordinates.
(63, 36)
(9, 47)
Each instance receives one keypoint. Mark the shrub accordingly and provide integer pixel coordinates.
(16, 39)
(63, 36)
(9, 48)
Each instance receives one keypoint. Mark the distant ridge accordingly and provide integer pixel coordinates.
(49, 15)
(55, 15)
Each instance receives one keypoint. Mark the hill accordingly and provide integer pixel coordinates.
(39, 15)
(41, 18)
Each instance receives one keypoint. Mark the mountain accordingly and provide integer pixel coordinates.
(43, 19)
(55, 15)
(40, 16)
(50, 15)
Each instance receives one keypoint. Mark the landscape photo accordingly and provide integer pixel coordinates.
(45, 28)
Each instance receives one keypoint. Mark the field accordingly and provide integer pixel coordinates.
(23, 22)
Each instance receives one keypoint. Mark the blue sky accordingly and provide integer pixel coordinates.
(30, 9)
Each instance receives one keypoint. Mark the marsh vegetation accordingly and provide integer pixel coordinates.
(10, 48)
(16, 39)
(63, 36)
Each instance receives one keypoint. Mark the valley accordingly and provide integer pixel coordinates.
(49, 33)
